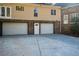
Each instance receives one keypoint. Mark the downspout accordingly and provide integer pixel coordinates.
(60, 19)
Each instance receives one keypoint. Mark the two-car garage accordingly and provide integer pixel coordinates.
(22, 28)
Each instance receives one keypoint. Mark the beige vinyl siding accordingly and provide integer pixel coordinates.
(44, 12)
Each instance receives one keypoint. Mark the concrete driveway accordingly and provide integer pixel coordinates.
(39, 45)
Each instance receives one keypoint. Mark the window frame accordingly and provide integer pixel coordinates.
(73, 15)
(53, 12)
(65, 20)
(19, 8)
(5, 12)
(35, 11)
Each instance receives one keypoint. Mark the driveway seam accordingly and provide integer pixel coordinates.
(39, 47)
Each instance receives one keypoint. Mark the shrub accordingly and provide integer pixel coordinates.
(75, 25)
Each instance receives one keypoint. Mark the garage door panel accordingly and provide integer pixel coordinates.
(14, 28)
(46, 28)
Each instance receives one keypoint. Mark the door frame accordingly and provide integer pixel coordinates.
(34, 28)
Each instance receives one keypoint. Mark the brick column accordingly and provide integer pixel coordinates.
(30, 27)
(57, 27)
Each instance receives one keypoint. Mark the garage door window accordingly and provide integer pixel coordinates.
(5, 12)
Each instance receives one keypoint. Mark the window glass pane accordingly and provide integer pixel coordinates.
(8, 12)
(2, 11)
(72, 16)
(77, 14)
(54, 12)
(19, 8)
(65, 19)
(35, 10)
(16, 7)
(36, 14)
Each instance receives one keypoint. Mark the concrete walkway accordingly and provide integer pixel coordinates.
(39, 45)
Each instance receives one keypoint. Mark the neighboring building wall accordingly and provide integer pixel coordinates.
(71, 12)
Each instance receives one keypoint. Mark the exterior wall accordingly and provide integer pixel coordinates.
(57, 28)
(44, 12)
(66, 28)
(30, 27)
(31, 24)
(27, 16)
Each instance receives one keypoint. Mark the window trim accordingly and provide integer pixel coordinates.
(3, 13)
(6, 12)
(19, 10)
(35, 11)
(64, 19)
(53, 12)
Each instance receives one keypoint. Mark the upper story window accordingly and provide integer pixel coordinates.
(2, 11)
(8, 12)
(65, 19)
(35, 12)
(5, 12)
(53, 12)
(19, 8)
(74, 15)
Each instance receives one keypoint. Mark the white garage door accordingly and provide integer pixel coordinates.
(46, 28)
(14, 28)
